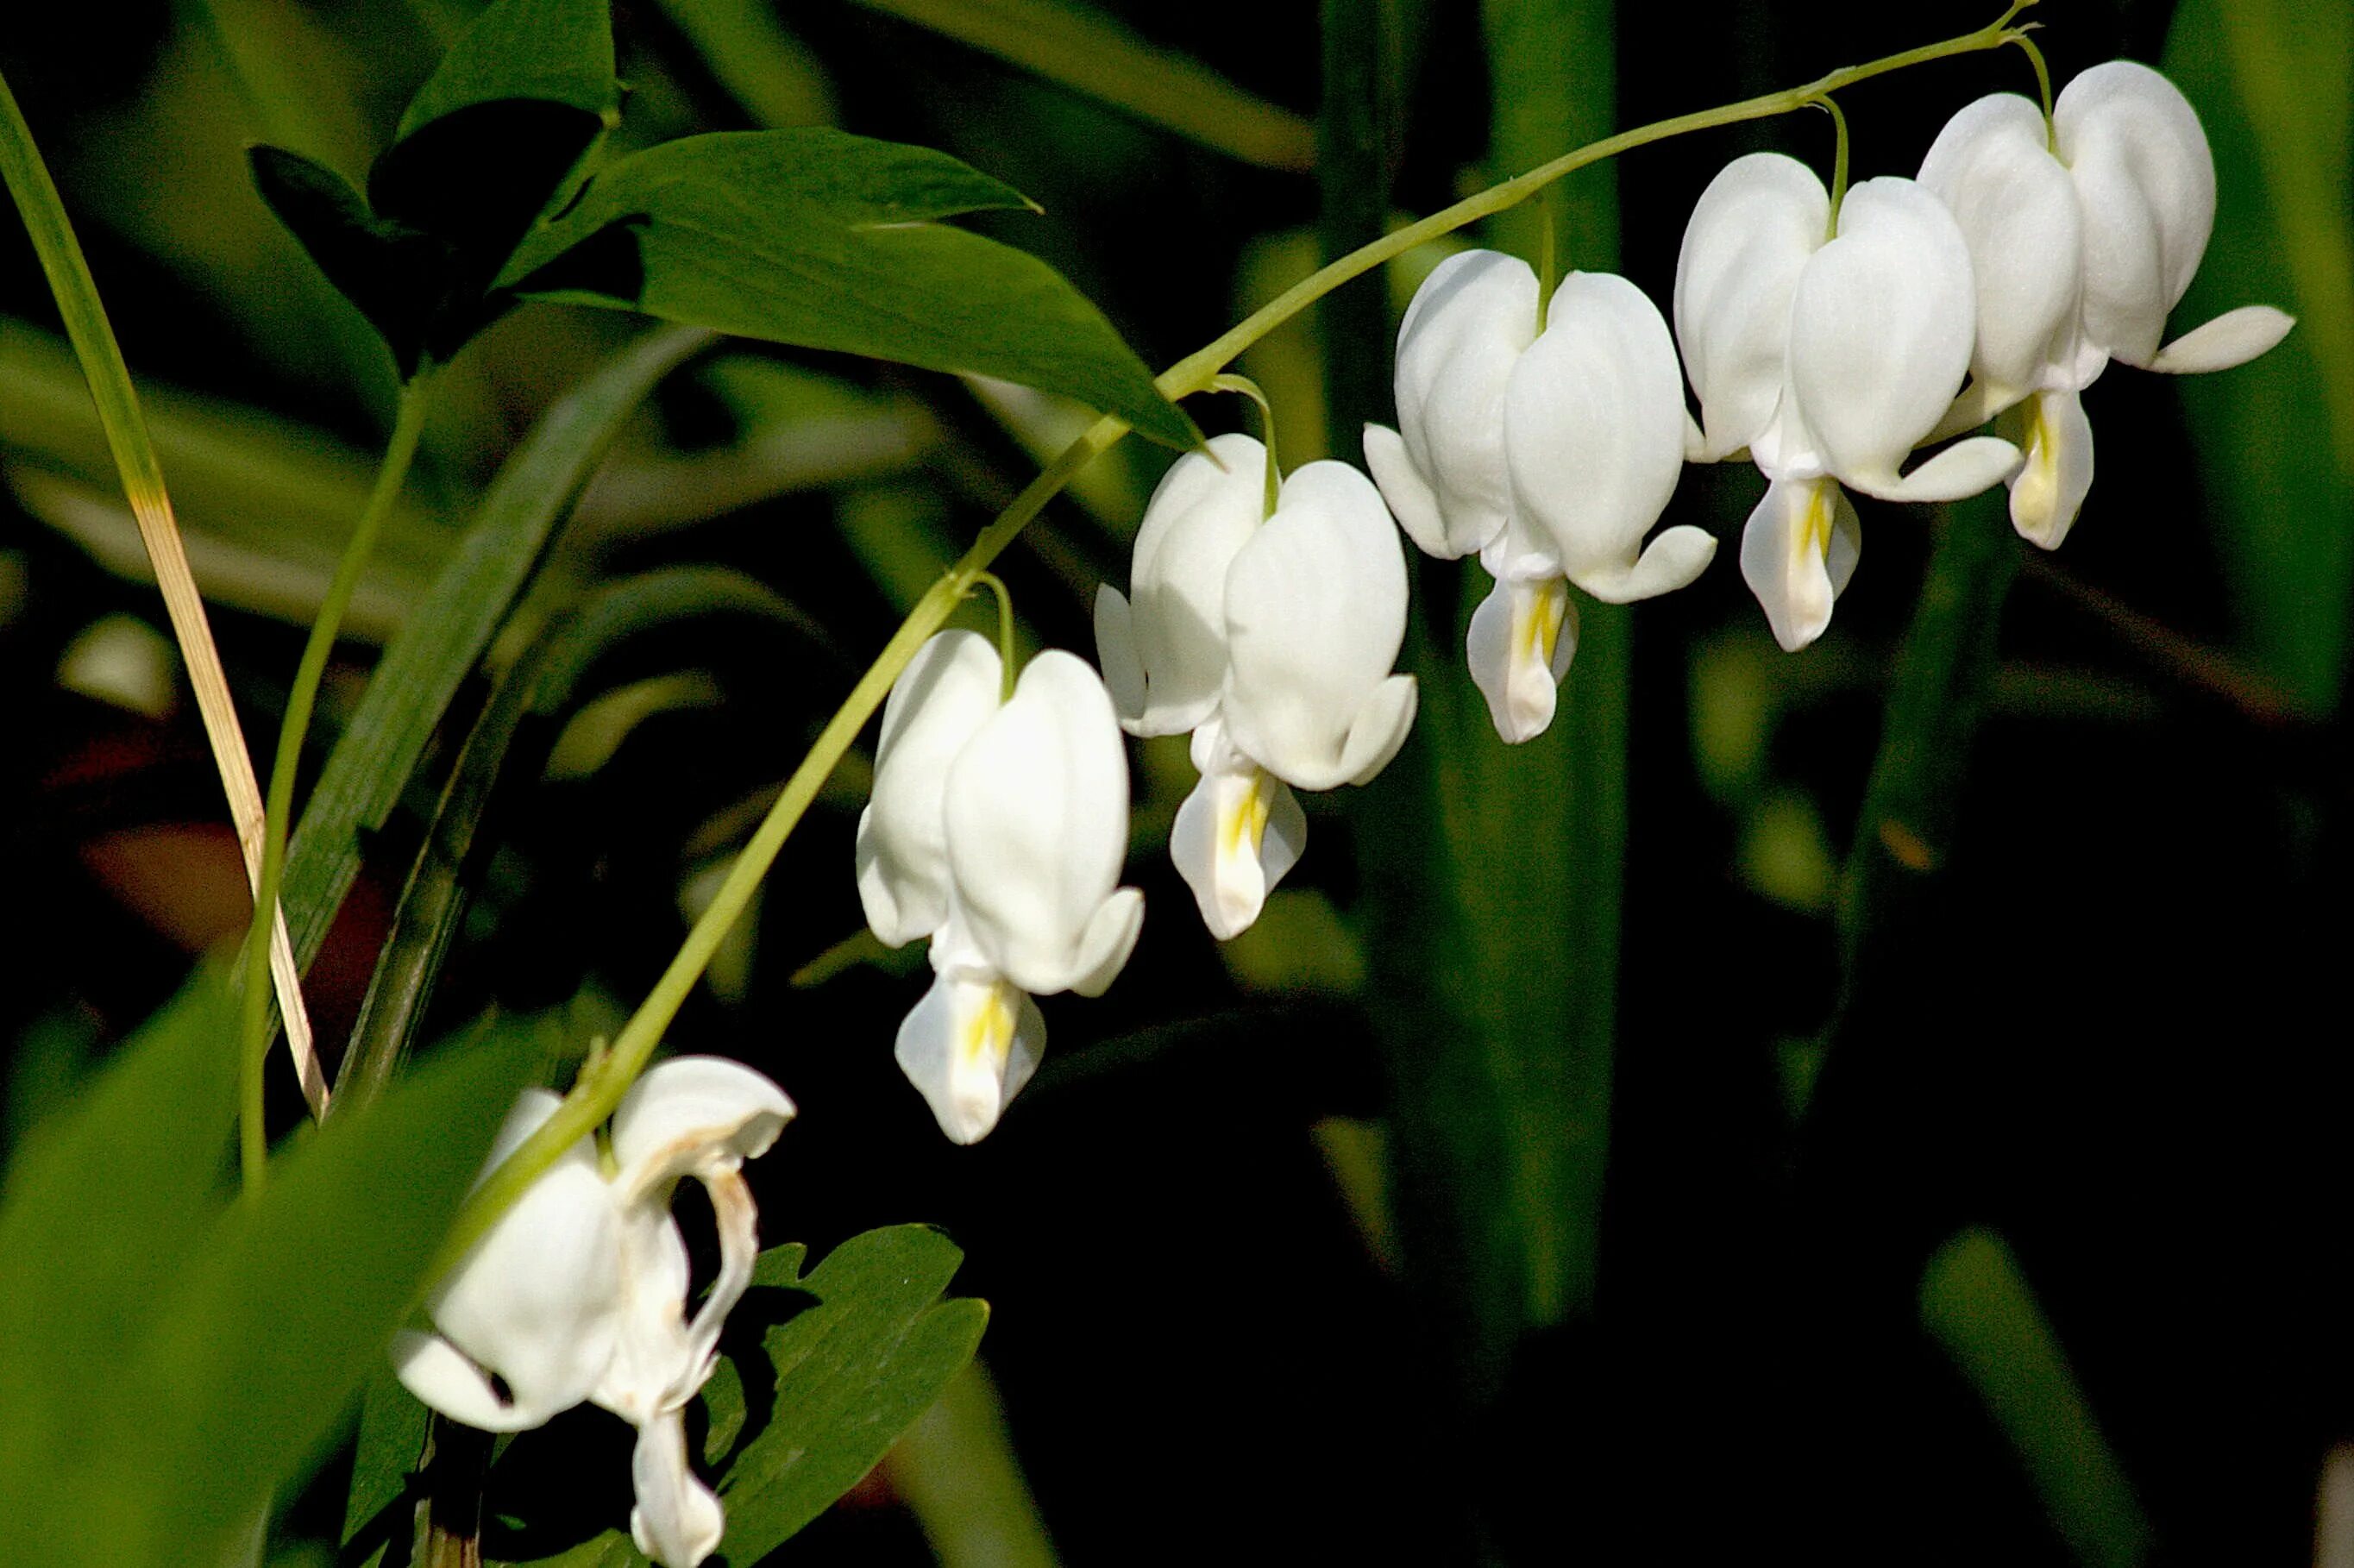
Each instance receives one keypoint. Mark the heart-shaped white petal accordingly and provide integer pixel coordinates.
(2147, 181)
(1037, 815)
(1198, 517)
(1880, 327)
(1593, 430)
(2018, 212)
(1749, 238)
(944, 695)
(1797, 554)
(1315, 612)
(1466, 327)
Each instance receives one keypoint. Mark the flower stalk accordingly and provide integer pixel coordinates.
(253, 1144)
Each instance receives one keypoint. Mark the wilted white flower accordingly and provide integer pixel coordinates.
(579, 1290)
(1551, 454)
(2082, 236)
(1830, 358)
(997, 828)
(1272, 640)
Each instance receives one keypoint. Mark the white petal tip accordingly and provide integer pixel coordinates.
(1964, 469)
(1123, 668)
(1406, 493)
(2232, 338)
(1669, 562)
(1380, 729)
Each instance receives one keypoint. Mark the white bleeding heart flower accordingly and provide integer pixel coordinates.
(2082, 236)
(997, 828)
(579, 1291)
(1551, 454)
(1830, 358)
(1291, 625)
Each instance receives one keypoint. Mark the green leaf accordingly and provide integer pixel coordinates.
(558, 51)
(374, 264)
(2273, 82)
(828, 241)
(281, 1319)
(104, 1204)
(231, 1355)
(1976, 1303)
(380, 1509)
(1080, 47)
(854, 1352)
(859, 1349)
(499, 135)
(446, 634)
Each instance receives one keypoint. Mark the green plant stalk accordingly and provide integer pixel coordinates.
(1352, 207)
(253, 1138)
(1974, 1300)
(601, 1087)
(1080, 49)
(109, 379)
(1935, 696)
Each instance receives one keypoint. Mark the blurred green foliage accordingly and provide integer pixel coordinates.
(1265, 1204)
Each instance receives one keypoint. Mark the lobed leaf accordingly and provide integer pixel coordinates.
(867, 1348)
(846, 1358)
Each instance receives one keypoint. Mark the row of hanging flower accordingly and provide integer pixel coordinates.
(1826, 337)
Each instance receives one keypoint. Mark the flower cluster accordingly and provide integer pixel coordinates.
(1827, 335)
(997, 828)
(578, 1292)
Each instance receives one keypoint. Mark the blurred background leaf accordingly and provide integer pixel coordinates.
(2274, 83)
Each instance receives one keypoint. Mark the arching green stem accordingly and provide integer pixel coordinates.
(601, 1085)
(2043, 87)
(1006, 660)
(1548, 253)
(1250, 389)
(1838, 162)
(253, 1144)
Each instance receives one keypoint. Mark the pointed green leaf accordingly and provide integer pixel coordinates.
(102, 1206)
(379, 267)
(868, 1346)
(2274, 84)
(251, 1352)
(1976, 1302)
(498, 135)
(558, 51)
(827, 240)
